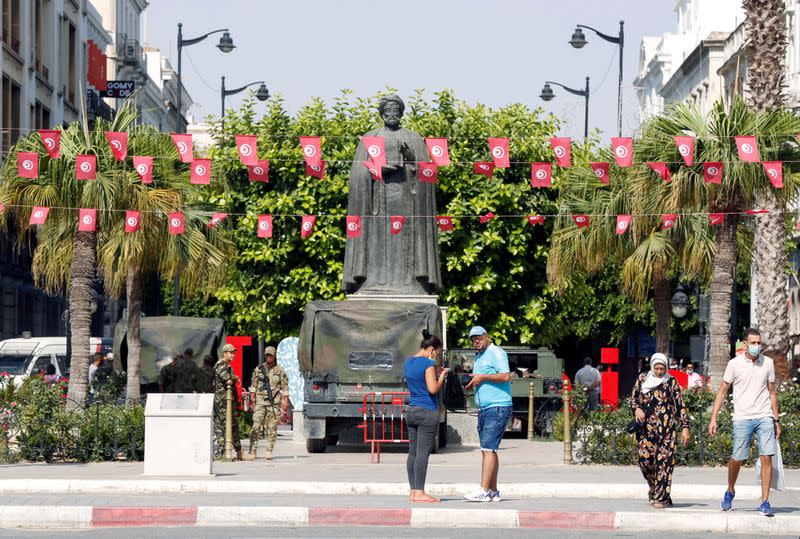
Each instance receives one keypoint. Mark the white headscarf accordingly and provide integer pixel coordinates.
(652, 381)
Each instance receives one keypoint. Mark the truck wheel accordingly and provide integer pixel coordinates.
(315, 445)
(332, 439)
(443, 434)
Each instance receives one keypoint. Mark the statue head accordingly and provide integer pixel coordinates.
(391, 108)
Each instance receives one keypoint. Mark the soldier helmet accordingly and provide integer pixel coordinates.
(228, 348)
(270, 350)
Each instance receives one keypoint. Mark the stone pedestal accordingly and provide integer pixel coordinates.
(178, 434)
(394, 297)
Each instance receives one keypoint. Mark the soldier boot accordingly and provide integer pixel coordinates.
(268, 455)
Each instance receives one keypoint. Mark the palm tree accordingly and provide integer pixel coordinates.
(766, 52)
(65, 258)
(742, 182)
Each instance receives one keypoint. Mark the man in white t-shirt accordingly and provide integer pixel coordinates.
(589, 377)
(755, 411)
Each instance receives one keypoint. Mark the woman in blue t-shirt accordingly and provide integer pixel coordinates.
(422, 414)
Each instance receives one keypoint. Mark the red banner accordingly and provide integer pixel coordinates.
(534, 220)
(259, 172)
(307, 225)
(316, 171)
(144, 168)
(445, 223)
(440, 154)
(133, 221)
(177, 223)
(428, 172)
(715, 219)
(712, 172)
(485, 218)
(623, 223)
(668, 220)
(484, 168)
(87, 220)
(312, 150)
(247, 148)
(748, 149)
(184, 145)
(374, 170)
(85, 167)
(28, 165)
(51, 139)
(353, 225)
(600, 171)
(38, 215)
(216, 218)
(498, 148)
(118, 142)
(561, 149)
(661, 170)
(264, 226)
(541, 174)
(375, 150)
(396, 223)
(582, 220)
(200, 172)
(623, 151)
(686, 149)
(774, 170)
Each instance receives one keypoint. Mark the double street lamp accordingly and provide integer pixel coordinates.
(225, 45)
(579, 40)
(262, 94)
(547, 94)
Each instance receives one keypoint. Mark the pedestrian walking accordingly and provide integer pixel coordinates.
(491, 379)
(693, 378)
(422, 414)
(224, 372)
(755, 412)
(185, 373)
(269, 389)
(204, 380)
(657, 404)
(590, 378)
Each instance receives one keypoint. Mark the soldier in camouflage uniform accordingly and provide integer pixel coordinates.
(185, 373)
(166, 377)
(223, 372)
(269, 388)
(204, 381)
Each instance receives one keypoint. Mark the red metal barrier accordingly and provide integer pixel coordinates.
(384, 420)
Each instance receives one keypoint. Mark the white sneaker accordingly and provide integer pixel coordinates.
(494, 495)
(479, 495)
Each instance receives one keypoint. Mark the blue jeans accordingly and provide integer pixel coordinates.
(491, 426)
(743, 430)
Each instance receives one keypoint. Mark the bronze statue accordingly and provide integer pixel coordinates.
(379, 262)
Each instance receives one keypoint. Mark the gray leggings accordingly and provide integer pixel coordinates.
(422, 424)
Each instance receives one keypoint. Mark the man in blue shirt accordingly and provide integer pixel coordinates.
(491, 380)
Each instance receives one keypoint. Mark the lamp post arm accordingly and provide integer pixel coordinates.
(186, 42)
(243, 88)
(570, 90)
(607, 37)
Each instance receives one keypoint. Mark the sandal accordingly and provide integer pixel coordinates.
(659, 505)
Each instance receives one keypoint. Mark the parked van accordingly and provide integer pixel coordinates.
(24, 357)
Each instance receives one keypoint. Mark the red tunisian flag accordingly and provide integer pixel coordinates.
(396, 223)
(428, 172)
(715, 219)
(686, 149)
(200, 172)
(246, 147)
(774, 170)
(623, 150)
(498, 147)
(353, 226)
(133, 221)
(582, 220)
(87, 220)
(184, 145)
(264, 226)
(85, 167)
(375, 150)
(307, 225)
(541, 174)
(51, 139)
(445, 223)
(38, 215)
(748, 149)
(28, 165)
(374, 170)
(661, 170)
(534, 220)
(312, 150)
(561, 149)
(216, 218)
(600, 171)
(485, 218)
(437, 147)
(668, 220)
(712, 172)
(144, 168)
(259, 172)
(623, 223)
(177, 223)
(484, 168)
(118, 141)
(316, 171)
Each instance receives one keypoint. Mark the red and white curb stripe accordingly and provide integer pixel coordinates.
(54, 517)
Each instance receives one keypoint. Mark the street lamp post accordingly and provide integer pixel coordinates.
(547, 94)
(225, 45)
(262, 94)
(579, 40)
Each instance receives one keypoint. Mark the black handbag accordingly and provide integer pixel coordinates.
(634, 425)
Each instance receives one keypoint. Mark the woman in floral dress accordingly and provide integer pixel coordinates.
(656, 401)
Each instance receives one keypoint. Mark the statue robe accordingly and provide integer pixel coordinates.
(379, 262)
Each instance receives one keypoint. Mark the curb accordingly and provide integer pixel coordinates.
(197, 486)
(63, 517)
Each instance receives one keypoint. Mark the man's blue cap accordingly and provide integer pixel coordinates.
(476, 331)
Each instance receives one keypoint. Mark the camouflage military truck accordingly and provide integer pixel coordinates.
(539, 366)
(350, 348)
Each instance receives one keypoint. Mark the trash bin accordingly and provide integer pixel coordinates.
(178, 434)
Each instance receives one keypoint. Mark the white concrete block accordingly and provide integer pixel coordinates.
(252, 516)
(45, 516)
(464, 518)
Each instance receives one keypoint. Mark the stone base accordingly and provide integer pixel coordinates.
(462, 429)
(422, 298)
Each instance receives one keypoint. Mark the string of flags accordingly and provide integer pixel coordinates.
(541, 173)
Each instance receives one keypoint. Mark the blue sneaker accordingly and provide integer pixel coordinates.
(495, 495)
(765, 509)
(727, 501)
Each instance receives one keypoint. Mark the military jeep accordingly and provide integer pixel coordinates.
(348, 349)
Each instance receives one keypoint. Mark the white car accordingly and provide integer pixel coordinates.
(23, 357)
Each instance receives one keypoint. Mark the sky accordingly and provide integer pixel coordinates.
(494, 52)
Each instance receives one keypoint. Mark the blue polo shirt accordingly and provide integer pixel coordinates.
(493, 360)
